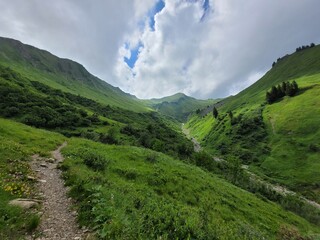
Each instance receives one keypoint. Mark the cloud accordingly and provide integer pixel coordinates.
(90, 32)
(221, 53)
(204, 48)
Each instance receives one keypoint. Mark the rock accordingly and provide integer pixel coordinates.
(42, 180)
(24, 203)
(77, 238)
(31, 178)
(43, 165)
(51, 160)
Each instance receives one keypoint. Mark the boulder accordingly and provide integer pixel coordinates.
(24, 203)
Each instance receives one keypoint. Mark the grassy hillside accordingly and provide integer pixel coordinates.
(294, 137)
(179, 106)
(39, 105)
(279, 141)
(63, 74)
(290, 67)
(124, 187)
(129, 192)
(18, 143)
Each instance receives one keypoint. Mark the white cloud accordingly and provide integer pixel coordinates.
(225, 53)
(235, 43)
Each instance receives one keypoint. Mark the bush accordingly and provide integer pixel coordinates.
(95, 161)
(152, 158)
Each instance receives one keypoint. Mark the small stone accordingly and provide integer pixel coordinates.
(74, 213)
(23, 203)
(77, 238)
(42, 180)
(31, 178)
(51, 160)
(43, 165)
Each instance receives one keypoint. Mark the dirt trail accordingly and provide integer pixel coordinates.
(272, 121)
(277, 188)
(196, 144)
(58, 220)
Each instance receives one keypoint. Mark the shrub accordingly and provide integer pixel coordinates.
(286, 233)
(152, 158)
(95, 161)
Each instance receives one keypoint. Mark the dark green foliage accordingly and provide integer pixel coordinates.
(42, 106)
(314, 148)
(298, 49)
(215, 112)
(244, 139)
(204, 160)
(110, 137)
(35, 109)
(281, 90)
(95, 161)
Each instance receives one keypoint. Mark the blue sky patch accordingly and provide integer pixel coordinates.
(134, 54)
(157, 8)
(206, 9)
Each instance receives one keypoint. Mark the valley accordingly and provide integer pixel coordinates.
(160, 168)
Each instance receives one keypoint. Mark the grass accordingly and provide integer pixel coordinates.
(200, 127)
(140, 194)
(285, 146)
(292, 130)
(63, 74)
(17, 143)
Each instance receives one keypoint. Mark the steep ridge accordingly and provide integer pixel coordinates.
(280, 141)
(135, 193)
(64, 74)
(123, 186)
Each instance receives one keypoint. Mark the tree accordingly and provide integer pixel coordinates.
(312, 45)
(284, 87)
(295, 87)
(230, 114)
(273, 64)
(215, 112)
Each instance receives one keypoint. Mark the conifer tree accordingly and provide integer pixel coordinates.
(215, 112)
(295, 87)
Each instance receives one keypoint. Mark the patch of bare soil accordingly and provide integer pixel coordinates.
(58, 220)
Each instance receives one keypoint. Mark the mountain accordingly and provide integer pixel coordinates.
(131, 171)
(179, 106)
(63, 74)
(126, 192)
(280, 141)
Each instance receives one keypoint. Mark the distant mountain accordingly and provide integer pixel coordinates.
(178, 106)
(63, 74)
(280, 140)
(159, 187)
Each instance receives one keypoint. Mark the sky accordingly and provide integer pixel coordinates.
(156, 48)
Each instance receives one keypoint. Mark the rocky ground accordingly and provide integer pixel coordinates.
(58, 220)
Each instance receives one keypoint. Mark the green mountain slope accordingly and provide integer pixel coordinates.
(279, 141)
(130, 170)
(290, 67)
(138, 193)
(39, 105)
(63, 74)
(179, 106)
